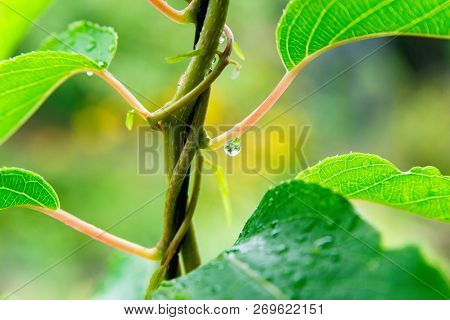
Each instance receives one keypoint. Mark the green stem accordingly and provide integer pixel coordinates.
(183, 132)
(182, 135)
(173, 107)
(180, 172)
(181, 150)
(189, 251)
(185, 226)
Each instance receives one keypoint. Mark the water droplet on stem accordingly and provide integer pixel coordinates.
(233, 147)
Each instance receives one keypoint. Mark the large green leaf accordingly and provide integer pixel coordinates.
(305, 242)
(92, 40)
(15, 19)
(368, 177)
(309, 27)
(21, 188)
(27, 80)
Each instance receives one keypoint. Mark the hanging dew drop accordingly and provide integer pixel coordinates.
(89, 73)
(233, 147)
(235, 73)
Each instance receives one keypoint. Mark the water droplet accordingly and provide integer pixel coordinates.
(102, 64)
(299, 280)
(281, 248)
(222, 38)
(233, 147)
(236, 73)
(324, 242)
(274, 233)
(89, 73)
(232, 250)
(300, 239)
(431, 171)
(92, 46)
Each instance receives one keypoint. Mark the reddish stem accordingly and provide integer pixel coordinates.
(99, 234)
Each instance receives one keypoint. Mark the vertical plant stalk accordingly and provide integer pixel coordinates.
(183, 130)
(186, 225)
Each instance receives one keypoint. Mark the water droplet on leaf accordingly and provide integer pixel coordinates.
(222, 38)
(102, 64)
(431, 171)
(92, 46)
(299, 280)
(233, 147)
(300, 238)
(324, 242)
(89, 73)
(274, 233)
(282, 248)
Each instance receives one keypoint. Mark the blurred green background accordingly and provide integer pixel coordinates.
(394, 102)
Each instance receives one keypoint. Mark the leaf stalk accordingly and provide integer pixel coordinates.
(179, 16)
(99, 234)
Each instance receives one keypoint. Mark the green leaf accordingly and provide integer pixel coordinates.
(424, 191)
(86, 38)
(21, 188)
(239, 52)
(125, 277)
(129, 120)
(186, 55)
(27, 80)
(224, 190)
(309, 28)
(305, 242)
(15, 19)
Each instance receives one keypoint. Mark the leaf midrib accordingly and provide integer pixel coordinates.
(268, 286)
(23, 194)
(333, 42)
